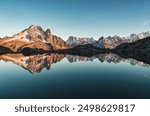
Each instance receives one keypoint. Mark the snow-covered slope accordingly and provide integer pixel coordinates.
(74, 41)
(107, 42)
(112, 42)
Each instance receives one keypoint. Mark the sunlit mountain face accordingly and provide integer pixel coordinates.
(33, 37)
(35, 63)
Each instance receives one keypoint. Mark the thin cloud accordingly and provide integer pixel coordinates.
(145, 23)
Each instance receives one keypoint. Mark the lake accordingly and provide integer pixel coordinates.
(59, 76)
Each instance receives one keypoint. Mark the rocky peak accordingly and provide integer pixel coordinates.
(74, 41)
(35, 27)
(101, 38)
(48, 31)
(133, 35)
(72, 38)
(34, 37)
(35, 31)
(100, 42)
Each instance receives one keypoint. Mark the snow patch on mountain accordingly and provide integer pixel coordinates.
(107, 42)
(74, 41)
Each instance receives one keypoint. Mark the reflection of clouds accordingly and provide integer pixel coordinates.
(146, 76)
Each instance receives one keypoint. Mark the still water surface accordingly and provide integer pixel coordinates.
(67, 76)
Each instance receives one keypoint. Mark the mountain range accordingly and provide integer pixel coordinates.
(36, 37)
(107, 42)
(134, 49)
(36, 40)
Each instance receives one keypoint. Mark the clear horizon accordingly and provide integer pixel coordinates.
(90, 18)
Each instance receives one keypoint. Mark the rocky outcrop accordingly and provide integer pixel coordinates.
(34, 37)
(114, 41)
(74, 41)
(84, 50)
(4, 50)
(109, 42)
(139, 50)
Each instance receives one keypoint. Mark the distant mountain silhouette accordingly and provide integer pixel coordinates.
(107, 42)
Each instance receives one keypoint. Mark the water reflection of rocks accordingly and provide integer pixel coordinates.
(36, 63)
(110, 58)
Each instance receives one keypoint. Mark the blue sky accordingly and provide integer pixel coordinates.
(90, 18)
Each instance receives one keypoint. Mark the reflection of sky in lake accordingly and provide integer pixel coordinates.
(91, 79)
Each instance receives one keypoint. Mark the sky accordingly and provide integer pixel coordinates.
(81, 18)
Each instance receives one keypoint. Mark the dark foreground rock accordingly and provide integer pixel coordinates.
(4, 50)
(139, 50)
(84, 50)
(32, 51)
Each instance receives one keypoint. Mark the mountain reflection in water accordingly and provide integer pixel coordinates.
(35, 63)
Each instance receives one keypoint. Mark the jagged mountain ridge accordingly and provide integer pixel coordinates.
(74, 41)
(34, 37)
(107, 42)
(112, 42)
(139, 50)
